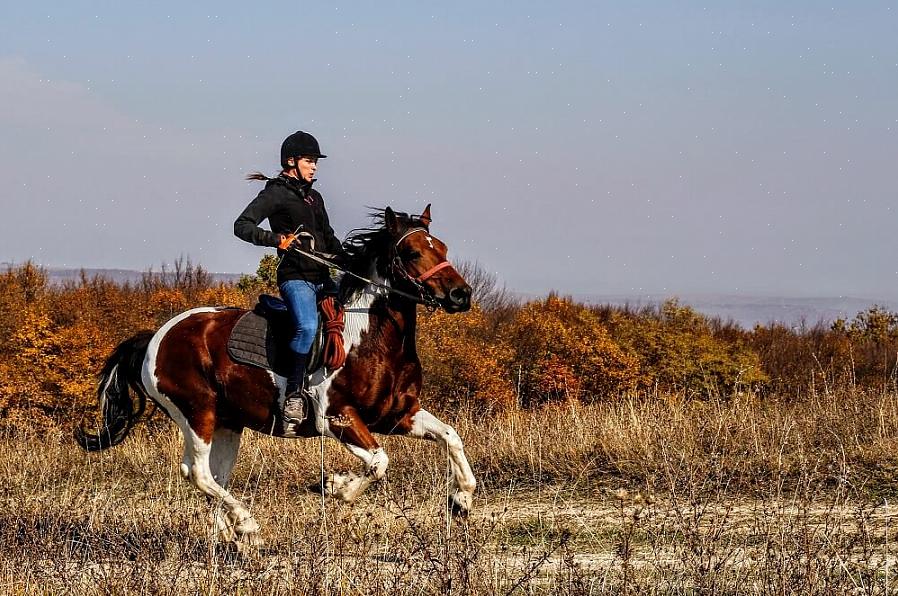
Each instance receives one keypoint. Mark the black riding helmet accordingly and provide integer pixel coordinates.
(297, 144)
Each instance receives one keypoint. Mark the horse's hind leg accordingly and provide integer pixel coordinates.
(425, 425)
(201, 475)
(225, 445)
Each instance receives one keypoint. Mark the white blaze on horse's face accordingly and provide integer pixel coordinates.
(430, 241)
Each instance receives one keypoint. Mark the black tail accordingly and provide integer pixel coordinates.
(121, 371)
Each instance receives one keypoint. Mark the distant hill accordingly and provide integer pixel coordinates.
(60, 275)
(123, 275)
(746, 310)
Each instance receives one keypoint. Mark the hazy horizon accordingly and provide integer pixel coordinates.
(746, 310)
(72, 272)
(585, 148)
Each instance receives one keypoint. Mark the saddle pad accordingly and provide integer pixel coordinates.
(256, 342)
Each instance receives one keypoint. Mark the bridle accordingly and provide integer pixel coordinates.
(399, 267)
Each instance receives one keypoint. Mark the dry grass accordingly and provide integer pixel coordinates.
(650, 495)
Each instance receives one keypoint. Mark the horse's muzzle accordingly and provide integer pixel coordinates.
(459, 299)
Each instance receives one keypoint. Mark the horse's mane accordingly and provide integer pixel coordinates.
(370, 246)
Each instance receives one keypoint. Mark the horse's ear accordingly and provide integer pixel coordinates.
(425, 216)
(391, 221)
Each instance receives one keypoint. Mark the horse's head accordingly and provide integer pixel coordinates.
(418, 261)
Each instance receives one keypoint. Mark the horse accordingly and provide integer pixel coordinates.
(185, 368)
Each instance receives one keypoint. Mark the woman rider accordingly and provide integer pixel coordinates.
(296, 214)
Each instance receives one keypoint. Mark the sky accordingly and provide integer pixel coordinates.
(582, 147)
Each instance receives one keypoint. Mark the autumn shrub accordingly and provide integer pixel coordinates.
(806, 359)
(563, 351)
(463, 362)
(19, 287)
(873, 334)
(860, 352)
(55, 365)
(264, 281)
(544, 350)
(679, 350)
(55, 337)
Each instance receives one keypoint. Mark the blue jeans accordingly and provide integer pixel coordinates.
(302, 301)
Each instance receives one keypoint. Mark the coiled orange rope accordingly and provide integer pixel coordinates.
(334, 354)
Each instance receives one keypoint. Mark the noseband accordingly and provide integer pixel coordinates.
(399, 268)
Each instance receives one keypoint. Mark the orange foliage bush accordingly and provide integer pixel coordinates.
(61, 360)
(55, 338)
(462, 362)
(562, 350)
(680, 351)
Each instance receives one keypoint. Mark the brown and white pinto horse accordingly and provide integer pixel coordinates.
(185, 368)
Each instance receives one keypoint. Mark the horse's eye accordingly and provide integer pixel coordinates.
(412, 255)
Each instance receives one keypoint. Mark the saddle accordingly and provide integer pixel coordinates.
(261, 337)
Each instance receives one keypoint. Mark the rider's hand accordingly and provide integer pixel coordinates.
(286, 241)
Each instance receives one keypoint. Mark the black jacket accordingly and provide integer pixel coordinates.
(288, 203)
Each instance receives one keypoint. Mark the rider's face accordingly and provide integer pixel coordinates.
(306, 167)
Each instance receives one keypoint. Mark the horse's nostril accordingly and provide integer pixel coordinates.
(460, 295)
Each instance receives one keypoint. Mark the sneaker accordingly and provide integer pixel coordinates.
(295, 406)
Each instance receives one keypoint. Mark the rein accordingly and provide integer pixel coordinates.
(423, 298)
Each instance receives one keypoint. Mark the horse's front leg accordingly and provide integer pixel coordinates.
(425, 425)
(347, 427)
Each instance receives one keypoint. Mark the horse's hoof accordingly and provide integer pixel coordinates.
(342, 486)
(247, 527)
(460, 504)
(222, 526)
(248, 545)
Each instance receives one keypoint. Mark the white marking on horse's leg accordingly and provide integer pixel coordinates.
(375, 460)
(186, 461)
(349, 486)
(202, 478)
(221, 525)
(196, 467)
(225, 445)
(223, 454)
(346, 486)
(427, 426)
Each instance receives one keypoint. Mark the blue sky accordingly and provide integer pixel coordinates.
(587, 147)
